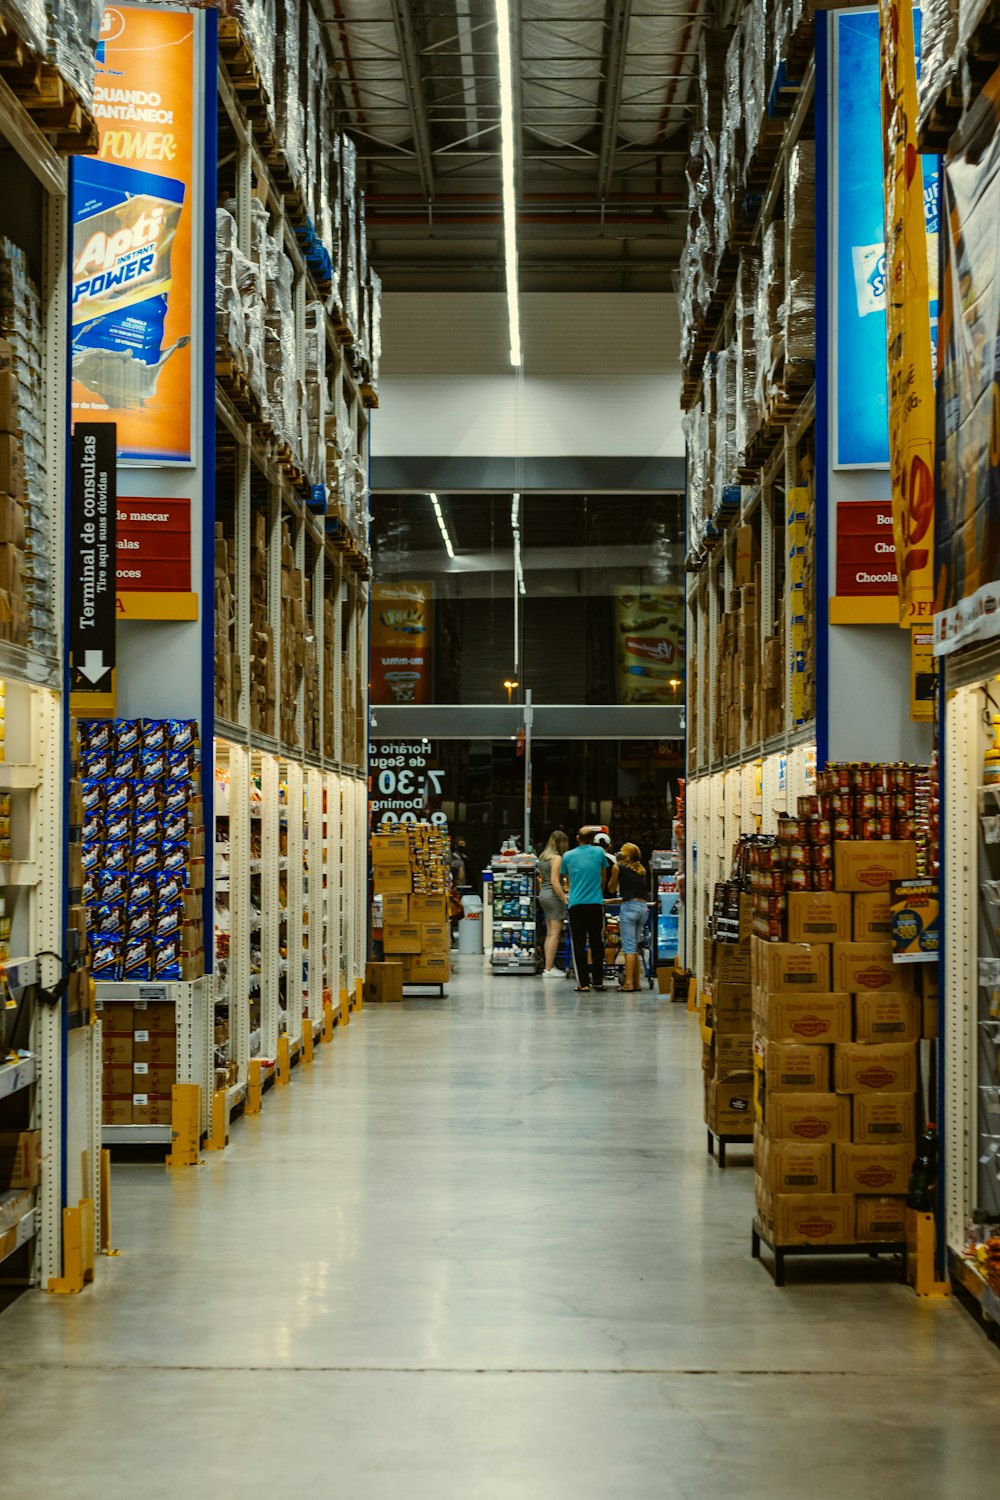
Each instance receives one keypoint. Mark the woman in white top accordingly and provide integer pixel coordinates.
(552, 899)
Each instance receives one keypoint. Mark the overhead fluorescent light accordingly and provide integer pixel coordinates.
(507, 148)
(442, 525)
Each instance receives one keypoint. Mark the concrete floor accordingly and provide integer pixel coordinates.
(478, 1250)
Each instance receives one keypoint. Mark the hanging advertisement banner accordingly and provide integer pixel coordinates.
(911, 217)
(402, 642)
(860, 428)
(135, 341)
(649, 645)
(967, 447)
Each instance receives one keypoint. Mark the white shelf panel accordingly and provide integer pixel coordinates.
(19, 1075)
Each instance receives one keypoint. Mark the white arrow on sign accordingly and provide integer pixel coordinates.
(93, 667)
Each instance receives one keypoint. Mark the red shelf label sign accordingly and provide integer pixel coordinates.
(154, 546)
(866, 552)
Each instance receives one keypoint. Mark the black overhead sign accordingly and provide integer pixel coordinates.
(93, 558)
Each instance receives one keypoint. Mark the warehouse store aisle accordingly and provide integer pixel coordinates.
(479, 1250)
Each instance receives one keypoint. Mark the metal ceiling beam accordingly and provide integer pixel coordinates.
(402, 16)
(621, 16)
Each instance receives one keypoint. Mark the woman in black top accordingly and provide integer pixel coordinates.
(629, 880)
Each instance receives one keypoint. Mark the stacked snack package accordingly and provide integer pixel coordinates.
(143, 848)
(411, 874)
(27, 542)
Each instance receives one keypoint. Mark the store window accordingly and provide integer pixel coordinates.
(577, 597)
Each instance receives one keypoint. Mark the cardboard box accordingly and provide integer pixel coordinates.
(729, 1056)
(731, 963)
(880, 1221)
(390, 848)
(884, 1119)
(863, 866)
(809, 1117)
(796, 1067)
(731, 1009)
(383, 982)
(872, 917)
(151, 1109)
(804, 1018)
(730, 1107)
(813, 1219)
(793, 1166)
(425, 908)
(396, 908)
(404, 938)
(116, 1048)
(20, 1158)
(880, 1068)
(887, 1016)
(819, 916)
(428, 968)
(803, 968)
(873, 1169)
(868, 966)
(116, 1110)
(392, 880)
(435, 937)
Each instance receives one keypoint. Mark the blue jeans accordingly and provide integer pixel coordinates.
(631, 924)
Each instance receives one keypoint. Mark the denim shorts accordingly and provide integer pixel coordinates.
(631, 924)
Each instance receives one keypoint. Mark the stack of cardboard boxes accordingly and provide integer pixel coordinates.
(727, 1056)
(836, 1025)
(411, 866)
(139, 1041)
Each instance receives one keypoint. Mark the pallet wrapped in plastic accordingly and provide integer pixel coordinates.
(767, 324)
(939, 56)
(799, 307)
(289, 114)
(73, 28)
(747, 409)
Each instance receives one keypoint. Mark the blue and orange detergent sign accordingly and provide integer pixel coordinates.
(132, 265)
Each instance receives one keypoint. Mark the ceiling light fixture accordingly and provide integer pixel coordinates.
(507, 145)
(442, 526)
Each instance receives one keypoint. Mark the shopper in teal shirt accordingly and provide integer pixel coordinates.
(583, 874)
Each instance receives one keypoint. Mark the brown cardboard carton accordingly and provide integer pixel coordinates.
(20, 1158)
(793, 1166)
(872, 917)
(883, 1119)
(802, 968)
(879, 1068)
(868, 966)
(392, 880)
(435, 937)
(390, 848)
(887, 1016)
(796, 1067)
(813, 1219)
(428, 968)
(730, 1107)
(873, 1169)
(396, 908)
(809, 1117)
(818, 916)
(405, 938)
(383, 982)
(863, 866)
(731, 1009)
(880, 1221)
(432, 908)
(805, 1018)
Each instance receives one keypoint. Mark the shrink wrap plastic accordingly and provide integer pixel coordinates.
(798, 313)
(939, 61)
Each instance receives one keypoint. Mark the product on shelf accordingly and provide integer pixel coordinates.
(143, 848)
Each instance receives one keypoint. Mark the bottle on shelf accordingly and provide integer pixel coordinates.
(922, 1192)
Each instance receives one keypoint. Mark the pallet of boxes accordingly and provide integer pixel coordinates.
(411, 865)
(727, 1055)
(836, 1025)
